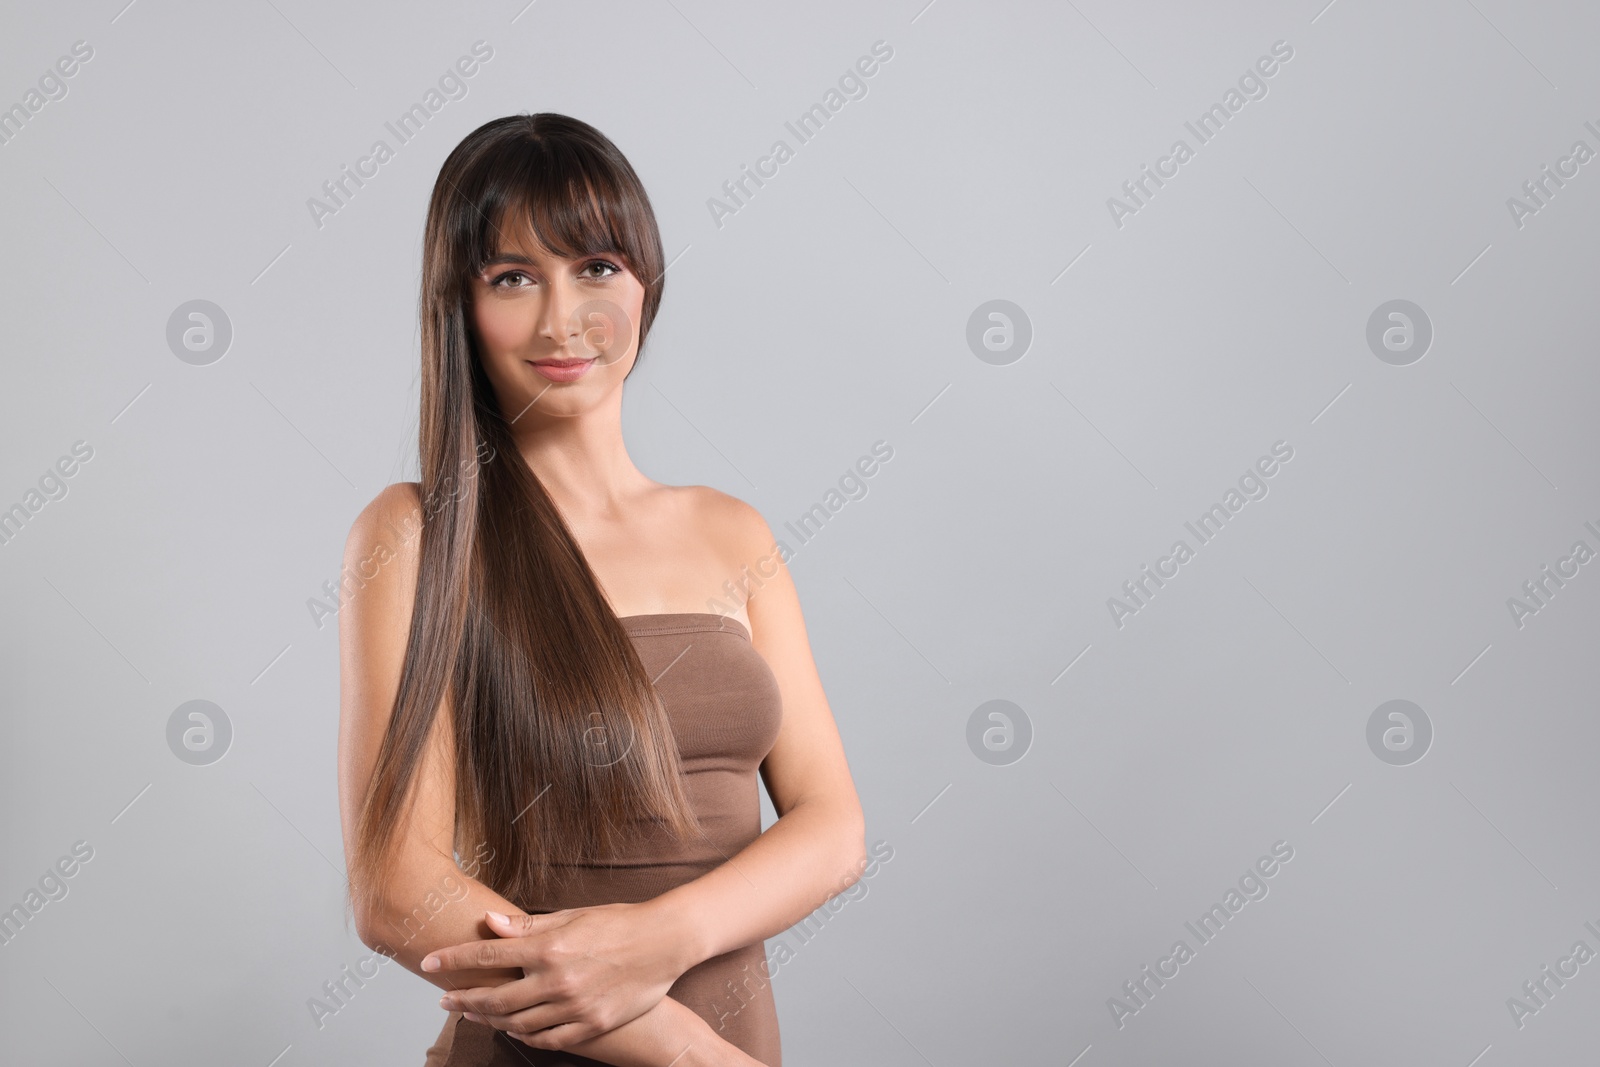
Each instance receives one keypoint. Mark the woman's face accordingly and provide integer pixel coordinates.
(556, 335)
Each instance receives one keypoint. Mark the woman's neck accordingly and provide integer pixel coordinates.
(582, 461)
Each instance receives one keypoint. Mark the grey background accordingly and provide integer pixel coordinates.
(831, 312)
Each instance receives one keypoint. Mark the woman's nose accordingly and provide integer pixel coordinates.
(556, 321)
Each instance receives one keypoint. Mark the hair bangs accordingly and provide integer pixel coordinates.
(562, 202)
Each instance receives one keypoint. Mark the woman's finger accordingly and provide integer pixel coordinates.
(555, 1038)
(544, 1016)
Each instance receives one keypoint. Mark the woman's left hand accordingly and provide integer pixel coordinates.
(586, 971)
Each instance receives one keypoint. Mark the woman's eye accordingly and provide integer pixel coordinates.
(611, 268)
(498, 283)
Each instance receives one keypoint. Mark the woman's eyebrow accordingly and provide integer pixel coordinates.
(520, 260)
(508, 257)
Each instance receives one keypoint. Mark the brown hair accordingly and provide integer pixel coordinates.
(562, 747)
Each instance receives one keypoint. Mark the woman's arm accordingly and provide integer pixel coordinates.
(817, 847)
(668, 1035)
(431, 903)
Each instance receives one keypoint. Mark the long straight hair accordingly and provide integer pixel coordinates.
(563, 751)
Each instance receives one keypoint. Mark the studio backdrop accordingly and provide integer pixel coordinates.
(1178, 420)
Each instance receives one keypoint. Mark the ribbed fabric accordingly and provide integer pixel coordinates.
(725, 709)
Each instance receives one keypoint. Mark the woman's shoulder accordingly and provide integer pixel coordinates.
(734, 523)
(392, 504)
(389, 521)
(398, 494)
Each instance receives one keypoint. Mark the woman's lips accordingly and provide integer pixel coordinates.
(562, 370)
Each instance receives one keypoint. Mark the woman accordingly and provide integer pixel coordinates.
(532, 690)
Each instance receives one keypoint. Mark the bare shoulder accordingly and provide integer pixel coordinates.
(397, 506)
(736, 526)
(387, 529)
(393, 497)
(752, 563)
(377, 593)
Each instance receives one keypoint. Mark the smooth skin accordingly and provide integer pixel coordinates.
(593, 980)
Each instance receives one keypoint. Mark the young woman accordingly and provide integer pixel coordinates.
(548, 746)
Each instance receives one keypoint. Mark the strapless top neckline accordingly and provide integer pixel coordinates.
(674, 622)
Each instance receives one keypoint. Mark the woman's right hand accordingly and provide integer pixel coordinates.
(585, 970)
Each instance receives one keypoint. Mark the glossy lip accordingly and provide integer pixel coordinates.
(562, 370)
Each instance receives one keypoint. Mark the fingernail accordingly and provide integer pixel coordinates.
(446, 1003)
(471, 1015)
(430, 963)
(497, 915)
